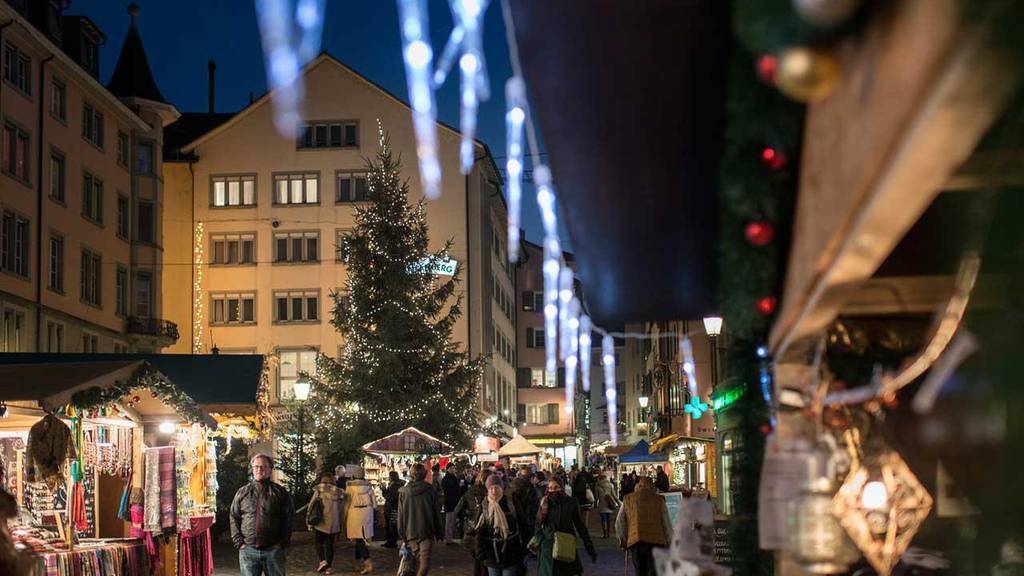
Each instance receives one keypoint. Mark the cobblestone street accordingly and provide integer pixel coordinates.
(449, 560)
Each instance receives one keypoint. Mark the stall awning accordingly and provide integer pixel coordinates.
(640, 453)
(519, 446)
(411, 440)
(668, 442)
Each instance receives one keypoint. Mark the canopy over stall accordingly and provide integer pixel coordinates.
(640, 453)
(519, 446)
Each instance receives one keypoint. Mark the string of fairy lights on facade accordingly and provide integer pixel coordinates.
(197, 291)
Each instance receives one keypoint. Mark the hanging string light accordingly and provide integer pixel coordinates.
(419, 57)
(515, 98)
(584, 348)
(572, 329)
(197, 291)
(290, 37)
(689, 367)
(610, 392)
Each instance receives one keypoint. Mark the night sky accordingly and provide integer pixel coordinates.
(180, 36)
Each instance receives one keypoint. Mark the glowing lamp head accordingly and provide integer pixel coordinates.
(713, 325)
(166, 427)
(301, 388)
(644, 401)
(874, 495)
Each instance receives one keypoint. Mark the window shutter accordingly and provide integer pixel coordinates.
(529, 338)
(527, 300)
(520, 413)
(522, 378)
(552, 413)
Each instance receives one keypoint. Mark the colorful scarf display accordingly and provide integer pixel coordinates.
(110, 559)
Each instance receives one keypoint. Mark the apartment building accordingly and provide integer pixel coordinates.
(259, 215)
(80, 193)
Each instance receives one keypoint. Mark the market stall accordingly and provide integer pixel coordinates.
(399, 451)
(692, 461)
(520, 451)
(82, 449)
(640, 460)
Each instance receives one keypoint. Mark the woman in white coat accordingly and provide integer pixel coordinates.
(359, 522)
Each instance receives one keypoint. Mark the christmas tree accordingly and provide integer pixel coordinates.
(398, 365)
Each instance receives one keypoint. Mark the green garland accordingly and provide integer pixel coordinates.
(144, 377)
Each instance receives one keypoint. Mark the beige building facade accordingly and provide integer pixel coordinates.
(80, 190)
(256, 219)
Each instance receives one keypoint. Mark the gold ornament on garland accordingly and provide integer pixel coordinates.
(825, 13)
(882, 505)
(806, 74)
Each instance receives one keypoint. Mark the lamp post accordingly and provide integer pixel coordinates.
(301, 388)
(713, 328)
(644, 401)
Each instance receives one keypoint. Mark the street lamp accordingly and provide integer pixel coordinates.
(713, 327)
(644, 401)
(301, 390)
(302, 387)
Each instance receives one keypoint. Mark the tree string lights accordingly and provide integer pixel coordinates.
(197, 291)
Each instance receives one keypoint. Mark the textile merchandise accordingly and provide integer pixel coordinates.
(49, 445)
(110, 559)
(168, 507)
(196, 550)
(184, 504)
(151, 500)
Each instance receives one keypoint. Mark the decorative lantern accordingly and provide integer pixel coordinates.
(816, 539)
(882, 505)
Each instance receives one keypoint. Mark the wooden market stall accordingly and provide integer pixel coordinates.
(520, 451)
(639, 459)
(399, 451)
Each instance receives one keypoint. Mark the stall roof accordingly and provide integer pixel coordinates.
(640, 454)
(206, 378)
(519, 446)
(396, 442)
(52, 385)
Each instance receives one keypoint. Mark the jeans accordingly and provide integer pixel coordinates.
(510, 571)
(421, 551)
(643, 558)
(253, 562)
(362, 552)
(606, 523)
(324, 545)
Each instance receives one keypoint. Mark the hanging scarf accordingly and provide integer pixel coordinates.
(495, 516)
(544, 503)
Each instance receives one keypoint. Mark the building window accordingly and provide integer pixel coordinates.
(92, 125)
(534, 337)
(297, 306)
(542, 414)
(14, 244)
(296, 189)
(233, 309)
(339, 244)
(59, 100)
(122, 216)
(147, 222)
(14, 328)
(143, 294)
(18, 69)
(121, 286)
(57, 177)
(292, 363)
(533, 300)
(54, 337)
(92, 198)
(297, 247)
(234, 190)
(55, 280)
(540, 378)
(15, 151)
(329, 135)
(90, 343)
(92, 271)
(233, 249)
(120, 348)
(144, 158)
(122, 149)
(90, 54)
(352, 187)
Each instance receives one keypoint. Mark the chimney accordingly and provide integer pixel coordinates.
(211, 67)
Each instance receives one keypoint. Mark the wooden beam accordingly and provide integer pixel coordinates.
(919, 91)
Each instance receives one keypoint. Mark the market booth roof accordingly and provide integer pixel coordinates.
(519, 446)
(410, 440)
(636, 138)
(640, 453)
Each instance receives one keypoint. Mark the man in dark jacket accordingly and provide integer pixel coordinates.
(452, 489)
(261, 521)
(419, 522)
(525, 499)
(661, 480)
(391, 508)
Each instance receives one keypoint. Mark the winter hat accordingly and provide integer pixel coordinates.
(494, 480)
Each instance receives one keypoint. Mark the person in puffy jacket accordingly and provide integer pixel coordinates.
(607, 503)
(498, 542)
(359, 519)
(325, 532)
(261, 521)
(419, 518)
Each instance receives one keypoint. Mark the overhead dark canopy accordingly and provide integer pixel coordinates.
(630, 102)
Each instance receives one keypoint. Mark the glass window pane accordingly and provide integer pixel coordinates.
(296, 191)
(321, 135)
(296, 249)
(282, 191)
(218, 193)
(218, 252)
(311, 249)
(297, 309)
(233, 310)
(282, 249)
(248, 192)
(218, 310)
(289, 364)
(361, 187)
(307, 361)
(335, 134)
(350, 135)
(232, 252)
(311, 308)
(248, 310)
(248, 249)
(234, 194)
(312, 195)
(282, 308)
(344, 188)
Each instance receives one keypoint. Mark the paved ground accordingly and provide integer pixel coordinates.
(449, 560)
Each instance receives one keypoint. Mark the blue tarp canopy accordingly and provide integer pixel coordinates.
(639, 454)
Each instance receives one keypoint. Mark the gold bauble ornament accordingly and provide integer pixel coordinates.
(825, 13)
(806, 74)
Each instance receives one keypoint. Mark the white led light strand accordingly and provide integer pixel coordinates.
(584, 348)
(610, 393)
(689, 368)
(515, 98)
(572, 329)
(419, 57)
(466, 40)
(565, 279)
(197, 291)
(290, 37)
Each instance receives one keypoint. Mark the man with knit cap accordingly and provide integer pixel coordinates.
(643, 524)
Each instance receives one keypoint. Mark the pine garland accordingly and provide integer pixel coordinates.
(148, 378)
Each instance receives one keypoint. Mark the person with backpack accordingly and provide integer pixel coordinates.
(499, 545)
(359, 521)
(323, 516)
(469, 508)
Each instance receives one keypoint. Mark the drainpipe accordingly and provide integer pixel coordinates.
(39, 205)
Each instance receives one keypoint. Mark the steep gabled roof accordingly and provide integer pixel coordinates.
(132, 77)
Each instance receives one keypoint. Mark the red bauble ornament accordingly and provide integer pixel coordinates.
(766, 66)
(759, 233)
(773, 158)
(135, 399)
(766, 428)
(766, 305)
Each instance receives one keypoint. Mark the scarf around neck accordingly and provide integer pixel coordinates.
(551, 495)
(495, 516)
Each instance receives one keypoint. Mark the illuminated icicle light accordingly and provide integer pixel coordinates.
(689, 368)
(419, 57)
(571, 329)
(564, 297)
(515, 96)
(289, 40)
(552, 264)
(610, 393)
(584, 347)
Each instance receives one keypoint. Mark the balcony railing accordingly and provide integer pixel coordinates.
(156, 327)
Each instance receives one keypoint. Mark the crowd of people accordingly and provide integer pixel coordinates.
(501, 516)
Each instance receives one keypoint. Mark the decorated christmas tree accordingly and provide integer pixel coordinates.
(398, 365)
